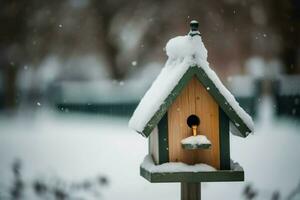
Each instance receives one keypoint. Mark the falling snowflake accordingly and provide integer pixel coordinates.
(134, 63)
(229, 78)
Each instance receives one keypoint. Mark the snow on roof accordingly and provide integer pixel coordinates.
(183, 52)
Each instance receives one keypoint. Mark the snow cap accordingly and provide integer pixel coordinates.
(190, 45)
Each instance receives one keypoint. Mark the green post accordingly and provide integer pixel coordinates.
(190, 191)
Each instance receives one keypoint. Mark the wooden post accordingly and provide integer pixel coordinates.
(190, 191)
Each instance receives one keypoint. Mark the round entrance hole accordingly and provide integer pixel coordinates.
(193, 120)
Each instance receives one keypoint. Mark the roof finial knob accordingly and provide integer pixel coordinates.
(194, 25)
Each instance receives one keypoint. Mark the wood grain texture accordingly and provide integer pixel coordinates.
(194, 99)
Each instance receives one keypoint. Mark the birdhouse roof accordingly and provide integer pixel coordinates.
(187, 58)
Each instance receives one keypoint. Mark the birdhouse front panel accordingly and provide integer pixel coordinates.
(194, 100)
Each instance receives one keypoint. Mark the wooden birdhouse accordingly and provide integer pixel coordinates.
(186, 114)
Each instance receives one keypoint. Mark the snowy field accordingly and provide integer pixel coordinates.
(77, 146)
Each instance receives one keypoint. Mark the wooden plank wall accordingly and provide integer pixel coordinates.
(194, 99)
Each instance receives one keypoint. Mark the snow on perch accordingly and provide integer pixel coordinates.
(196, 142)
(185, 52)
(149, 165)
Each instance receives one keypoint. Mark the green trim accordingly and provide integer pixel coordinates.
(213, 90)
(163, 140)
(224, 140)
(193, 177)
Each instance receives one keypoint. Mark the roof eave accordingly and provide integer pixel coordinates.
(239, 131)
(239, 124)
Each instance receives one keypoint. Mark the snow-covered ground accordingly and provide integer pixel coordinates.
(75, 146)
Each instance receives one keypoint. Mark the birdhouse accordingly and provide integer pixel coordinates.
(188, 115)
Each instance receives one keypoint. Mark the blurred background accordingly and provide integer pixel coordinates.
(73, 71)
